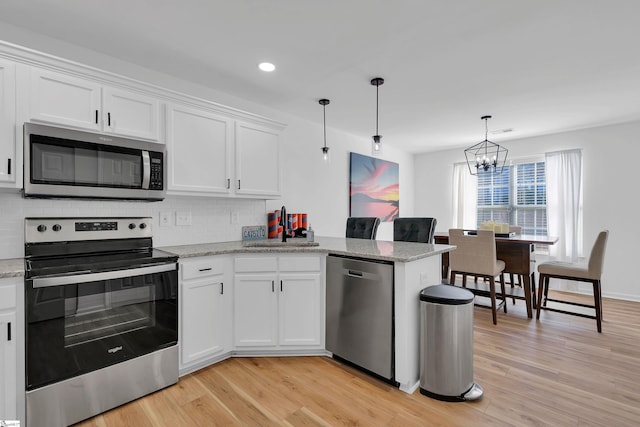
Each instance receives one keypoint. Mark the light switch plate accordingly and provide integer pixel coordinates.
(183, 218)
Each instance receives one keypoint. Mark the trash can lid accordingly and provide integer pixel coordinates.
(446, 294)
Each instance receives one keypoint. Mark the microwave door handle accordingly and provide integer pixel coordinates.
(146, 170)
(44, 282)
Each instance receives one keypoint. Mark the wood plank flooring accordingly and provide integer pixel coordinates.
(557, 371)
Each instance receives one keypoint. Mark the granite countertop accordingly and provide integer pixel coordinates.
(372, 249)
(13, 267)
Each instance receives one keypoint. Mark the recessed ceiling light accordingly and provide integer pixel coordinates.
(266, 66)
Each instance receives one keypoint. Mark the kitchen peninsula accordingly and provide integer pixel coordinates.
(416, 265)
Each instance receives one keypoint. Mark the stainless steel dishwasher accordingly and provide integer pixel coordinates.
(359, 321)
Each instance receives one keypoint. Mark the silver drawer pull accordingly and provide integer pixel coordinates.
(354, 273)
(206, 269)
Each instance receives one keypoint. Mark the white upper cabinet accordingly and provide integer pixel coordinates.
(211, 154)
(257, 160)
(130, 114)
(67, 100)
(199, 146)
(7, 122)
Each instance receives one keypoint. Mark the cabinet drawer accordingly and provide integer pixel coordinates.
(255, 264)
(201, 267)
(7, 297)
(299, 263)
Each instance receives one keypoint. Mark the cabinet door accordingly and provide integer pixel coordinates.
(299, 309)
(257, 160)
(204, 324)
(65, 100)
(130, 114)
(7, 122)
(255, 314)
(198, 144)
(8, 366)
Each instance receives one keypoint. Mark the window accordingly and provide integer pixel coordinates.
(517, 196)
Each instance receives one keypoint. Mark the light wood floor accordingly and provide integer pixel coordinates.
(558, 371)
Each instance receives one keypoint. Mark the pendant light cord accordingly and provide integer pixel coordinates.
(486, 129)
(377, 87)
(324, 123)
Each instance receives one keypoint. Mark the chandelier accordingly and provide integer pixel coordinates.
(486, 156)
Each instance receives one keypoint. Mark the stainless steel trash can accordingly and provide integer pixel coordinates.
(446, 344)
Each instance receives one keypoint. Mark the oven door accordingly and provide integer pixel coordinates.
(82, 322)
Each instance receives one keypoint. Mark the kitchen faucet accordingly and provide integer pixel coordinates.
(283, 223)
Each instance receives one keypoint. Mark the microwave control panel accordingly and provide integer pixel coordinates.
(157, 171)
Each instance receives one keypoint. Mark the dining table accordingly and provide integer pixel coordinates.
(518, 253)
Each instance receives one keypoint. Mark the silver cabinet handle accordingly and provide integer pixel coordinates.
(221, 288)
(43, 282)
(273, 286)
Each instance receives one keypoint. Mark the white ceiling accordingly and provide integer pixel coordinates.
(538, 66)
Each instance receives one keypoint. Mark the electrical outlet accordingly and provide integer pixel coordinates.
(235, 217)
(166, 219)
(183, 218)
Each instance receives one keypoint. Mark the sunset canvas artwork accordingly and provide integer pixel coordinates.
(374, 188)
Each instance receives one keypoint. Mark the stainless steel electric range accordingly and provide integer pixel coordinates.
(101, 316)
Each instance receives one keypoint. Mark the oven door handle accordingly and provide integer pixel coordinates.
(43, 282)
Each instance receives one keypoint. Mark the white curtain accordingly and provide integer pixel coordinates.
(564, 203)
(465, 197)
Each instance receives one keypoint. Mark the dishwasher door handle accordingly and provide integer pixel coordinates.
(355, 273)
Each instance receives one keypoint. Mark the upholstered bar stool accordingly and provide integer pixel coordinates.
(476, 255)
(591, 273)
(362, 227)
(414, 229)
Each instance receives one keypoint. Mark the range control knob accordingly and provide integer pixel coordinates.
(143, 225)
(56, 227)
(132, 226)
(42, 228)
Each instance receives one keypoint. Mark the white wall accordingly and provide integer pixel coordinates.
(309, 185)
(610, 160)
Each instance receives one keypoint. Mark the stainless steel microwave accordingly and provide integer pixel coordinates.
(61, 163)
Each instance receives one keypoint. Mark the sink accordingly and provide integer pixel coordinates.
(276, 243)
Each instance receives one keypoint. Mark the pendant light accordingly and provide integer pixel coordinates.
(325, 149)
(486, 156)
(376, 143)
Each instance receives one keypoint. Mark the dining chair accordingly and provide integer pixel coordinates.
(414, 229)
(362, 227)
(476, 255)
(590, 272)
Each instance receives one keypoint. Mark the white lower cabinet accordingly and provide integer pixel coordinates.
(279, 301)
(11, 343)
(206, 295)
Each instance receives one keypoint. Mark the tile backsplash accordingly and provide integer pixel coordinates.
(211, 219)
